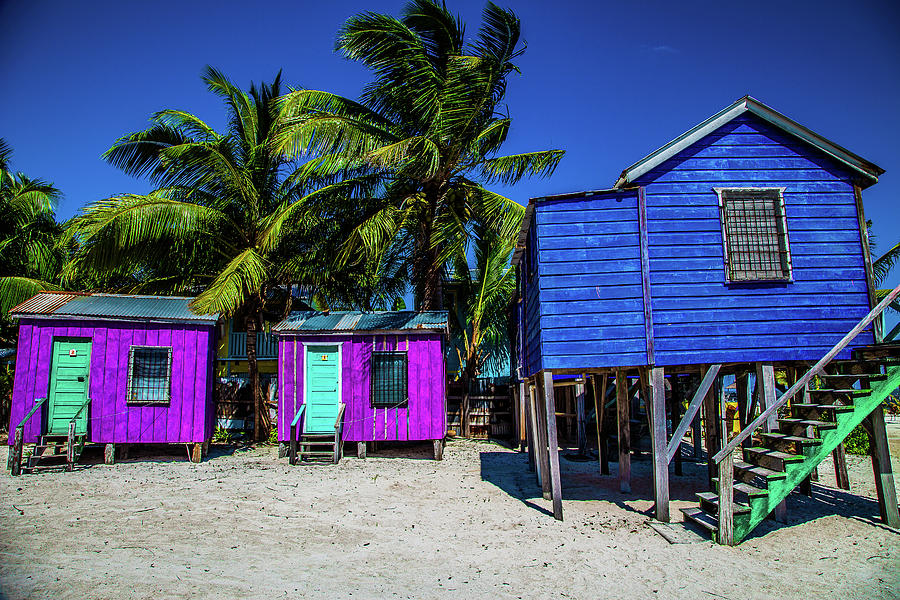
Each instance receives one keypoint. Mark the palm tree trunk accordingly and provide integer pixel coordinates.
(429, 271)
(260, 408)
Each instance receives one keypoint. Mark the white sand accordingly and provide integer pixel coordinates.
(247, 525)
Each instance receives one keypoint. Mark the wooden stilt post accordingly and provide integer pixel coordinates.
(742, 387)
(696, 431)
(765, 382)
(438, 449)
(580, 423)
(541, 422)
(623, 418)
(361, 450)
(521, 421)
(840, 467)
(553, 446)
(710, 420)
(676, 403)
(536, 434)
(109, 454)
(529, 426)
(602, 446)
(196, 453)
(15, 463)
(657, 405)
(725, 533)
(881, 463)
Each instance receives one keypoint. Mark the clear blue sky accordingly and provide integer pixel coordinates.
(606, 81)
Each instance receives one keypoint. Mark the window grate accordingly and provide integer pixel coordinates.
(390, 379)
(755, 235)
(149, 374)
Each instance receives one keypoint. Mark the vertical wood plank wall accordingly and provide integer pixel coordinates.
(424, 418)
(697, 315)
(187, 418)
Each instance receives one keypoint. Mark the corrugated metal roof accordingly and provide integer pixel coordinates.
(115, 306)
(43, 303)
(360, 321)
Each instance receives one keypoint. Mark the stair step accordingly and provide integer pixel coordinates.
(744, 467)
(713, 500)
(804, 423)
(839, 376)
(842, 391)
(835, 407)
(315, 453)
(701, 518)
(793, 439)
(745, 488)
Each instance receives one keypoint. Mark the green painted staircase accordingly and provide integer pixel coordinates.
(773, 464)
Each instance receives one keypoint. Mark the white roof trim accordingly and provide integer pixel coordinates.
(869, 170)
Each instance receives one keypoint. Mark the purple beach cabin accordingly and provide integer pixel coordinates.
(141, 364)
(385, 368)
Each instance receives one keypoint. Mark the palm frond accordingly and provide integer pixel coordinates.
(884, 263)
(15, 290)
(242, 278)
(510, 169)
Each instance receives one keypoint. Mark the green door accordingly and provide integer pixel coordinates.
(322, 388)
(69, 379)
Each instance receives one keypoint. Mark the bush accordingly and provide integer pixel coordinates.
(857, 442)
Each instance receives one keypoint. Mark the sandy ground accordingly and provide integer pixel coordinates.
(244, 524)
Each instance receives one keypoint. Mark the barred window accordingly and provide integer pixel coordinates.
(149, 374)
(755, 235)
(390, 379)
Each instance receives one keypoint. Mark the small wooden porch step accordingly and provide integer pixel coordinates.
(710, 503)
(746, 469)
(701, 518)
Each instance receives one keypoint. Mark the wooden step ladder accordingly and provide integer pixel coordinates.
(316, 447)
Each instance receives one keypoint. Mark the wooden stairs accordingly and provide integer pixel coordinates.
(772, 464)
(318, 448)
(51, 453)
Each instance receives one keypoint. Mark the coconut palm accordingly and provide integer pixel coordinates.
(225, 219)
(480, 315)
(429, 126)
(30, 257)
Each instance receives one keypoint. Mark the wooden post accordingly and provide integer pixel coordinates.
(292, 457)
(581, 426)
(600, 401)
(696, 432)
(881, 463)
(742, 387)
(197, 453)
(70, 448)
(676, 402)
(15, 467)
(536, 434)
(522, 418)
(623, 418)
(726, 501)
(438, 449)
(840, 467)
(109, 454)
(765, 383)
(282, 450)
(657, 404)
(543, 434)
(123, 451)
(710, 420)
(361, 450)
(553, 446)
(529, 428)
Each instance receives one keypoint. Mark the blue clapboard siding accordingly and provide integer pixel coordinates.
(588, 293)
(698, 317)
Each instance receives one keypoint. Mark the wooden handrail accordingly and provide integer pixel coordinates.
(292, 457)
(803, 381)
(33, 410)
(78, 414)
(339, 433)
(14, 463)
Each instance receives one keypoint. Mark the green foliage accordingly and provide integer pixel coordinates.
(857, 442)
(427, 130)
(30, 253)
(273, 437)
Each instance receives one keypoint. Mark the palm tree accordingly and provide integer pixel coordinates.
(225, 219)
(480, 316)
(429, 127)
(30, 257)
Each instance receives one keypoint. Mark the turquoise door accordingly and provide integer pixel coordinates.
(70, 368)
(323, 395)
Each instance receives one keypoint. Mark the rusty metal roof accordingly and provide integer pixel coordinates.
(111, 306)
(356, 321)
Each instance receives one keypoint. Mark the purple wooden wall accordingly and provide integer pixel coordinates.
(425, 417)
(190, 413)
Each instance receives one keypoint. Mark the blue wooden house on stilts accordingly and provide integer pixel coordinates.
(739, 247)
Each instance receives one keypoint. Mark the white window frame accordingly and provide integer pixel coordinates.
(720, 192)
